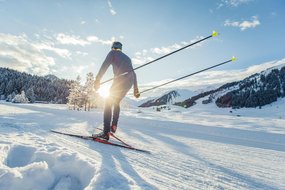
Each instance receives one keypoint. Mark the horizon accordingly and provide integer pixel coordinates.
(198, 83)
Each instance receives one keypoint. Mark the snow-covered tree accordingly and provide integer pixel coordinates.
(20, 98)
(75, 94)
(84, 97)
(10, 97)
(90, 92)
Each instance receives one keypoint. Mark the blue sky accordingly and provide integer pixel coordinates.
(72, 37)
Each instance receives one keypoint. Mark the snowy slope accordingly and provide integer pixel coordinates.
(182, 94)
(198, 148)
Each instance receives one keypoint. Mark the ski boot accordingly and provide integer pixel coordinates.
(113, 128)
(102, 135)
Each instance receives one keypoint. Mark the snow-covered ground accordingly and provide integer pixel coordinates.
(202, 147)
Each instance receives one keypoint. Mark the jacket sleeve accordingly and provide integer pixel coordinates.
(105, 66)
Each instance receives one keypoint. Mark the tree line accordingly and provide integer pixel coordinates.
(36, 88)
(21, 87)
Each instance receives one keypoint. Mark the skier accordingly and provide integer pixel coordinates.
(124, 79)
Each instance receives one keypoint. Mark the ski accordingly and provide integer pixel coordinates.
(86, 137)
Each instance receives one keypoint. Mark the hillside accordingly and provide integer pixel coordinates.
(256, 90)
(48, 88)
(165, 99)
(169, 98)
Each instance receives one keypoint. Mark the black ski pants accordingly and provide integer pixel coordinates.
(118, 91)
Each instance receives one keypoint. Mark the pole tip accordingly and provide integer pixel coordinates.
(234, 58)
(215, 33)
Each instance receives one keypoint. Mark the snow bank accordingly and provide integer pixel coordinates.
(25, 167)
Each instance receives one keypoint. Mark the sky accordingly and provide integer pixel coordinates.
(68, 38)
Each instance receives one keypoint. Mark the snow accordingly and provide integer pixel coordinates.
(276, 65)
(203, 147)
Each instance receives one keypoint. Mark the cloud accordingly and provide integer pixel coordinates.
(59, 51)
(98, 40)
(233, 3)
(81, 53)
(77, 69)
(18, 52)
(141, 60)
(141, 57)
(71, 40)
(166, 50)
(146, 55)
(112, 10)
(244, 24)
(34, 56)
(77, 40)
(261, 67)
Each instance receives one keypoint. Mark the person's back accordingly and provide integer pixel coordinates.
(121, 62)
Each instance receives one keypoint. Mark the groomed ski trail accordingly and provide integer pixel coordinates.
(184, 156)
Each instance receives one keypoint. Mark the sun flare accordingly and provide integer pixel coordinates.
(104, 91)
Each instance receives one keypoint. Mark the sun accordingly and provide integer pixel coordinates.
(104, 91)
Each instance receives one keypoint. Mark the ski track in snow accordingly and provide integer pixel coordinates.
(199, 148)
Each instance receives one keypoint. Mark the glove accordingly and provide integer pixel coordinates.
(97, 84)
(136, 93)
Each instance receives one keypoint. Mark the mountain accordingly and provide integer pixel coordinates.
(169, 98)
(165, 99)
(254, 91)
(192, 101)
(36, 88)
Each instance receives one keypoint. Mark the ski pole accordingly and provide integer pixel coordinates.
(232, 59)
(214, 33)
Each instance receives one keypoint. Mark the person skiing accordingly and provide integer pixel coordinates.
(124, 79)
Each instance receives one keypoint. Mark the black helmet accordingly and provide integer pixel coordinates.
(117, 45)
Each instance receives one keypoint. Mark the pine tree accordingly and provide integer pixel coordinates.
(31, 95)
(75, 94)
(10, 87)
(2, 88)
